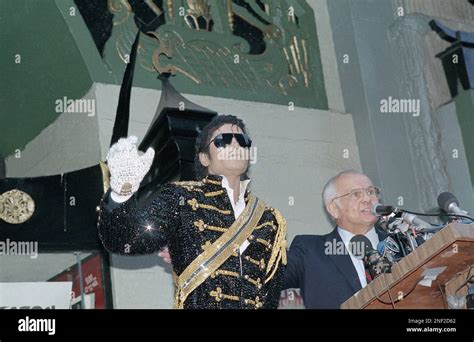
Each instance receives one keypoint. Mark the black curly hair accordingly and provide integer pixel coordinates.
(202, 142)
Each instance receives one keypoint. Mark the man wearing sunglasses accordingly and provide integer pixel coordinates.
(228, 248)
(327, 274)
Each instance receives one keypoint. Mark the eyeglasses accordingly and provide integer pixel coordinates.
(358, 194)
(224, 139)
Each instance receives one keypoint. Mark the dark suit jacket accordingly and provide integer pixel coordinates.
(326, 280)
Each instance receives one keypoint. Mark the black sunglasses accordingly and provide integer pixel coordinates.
(224, 139)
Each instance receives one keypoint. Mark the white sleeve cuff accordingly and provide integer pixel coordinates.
(119, 198)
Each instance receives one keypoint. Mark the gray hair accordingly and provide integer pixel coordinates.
(330, 189)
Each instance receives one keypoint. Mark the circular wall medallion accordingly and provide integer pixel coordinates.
(16, 206)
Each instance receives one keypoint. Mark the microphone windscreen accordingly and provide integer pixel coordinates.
(382, 210)
(445, 199)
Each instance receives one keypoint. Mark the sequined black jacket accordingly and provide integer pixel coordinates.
(187, 217)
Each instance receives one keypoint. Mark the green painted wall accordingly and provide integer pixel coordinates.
(465, 110)
(51, 67)
(48, 53)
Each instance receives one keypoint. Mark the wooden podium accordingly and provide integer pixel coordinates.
(452, 247)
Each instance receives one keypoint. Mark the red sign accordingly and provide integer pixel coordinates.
(92, 280)
(291, 299)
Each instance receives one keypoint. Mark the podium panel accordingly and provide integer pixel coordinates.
(451, 249)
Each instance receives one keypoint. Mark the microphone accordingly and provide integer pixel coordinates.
(383, 210)
(470, 297)
(388, 248)
(449, 203)
(414, 220)
(389, 244)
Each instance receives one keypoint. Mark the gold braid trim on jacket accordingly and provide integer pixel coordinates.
(279, 246)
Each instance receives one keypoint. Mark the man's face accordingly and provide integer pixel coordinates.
(229, 161)
(352, 213)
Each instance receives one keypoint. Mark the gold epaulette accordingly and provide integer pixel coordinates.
(279, 246)
(189, 185)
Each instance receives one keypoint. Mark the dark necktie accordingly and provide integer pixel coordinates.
(368, 276)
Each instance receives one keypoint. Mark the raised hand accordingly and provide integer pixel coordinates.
(127, 167)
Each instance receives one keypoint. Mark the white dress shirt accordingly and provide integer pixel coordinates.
(346, 237)
(238, 206)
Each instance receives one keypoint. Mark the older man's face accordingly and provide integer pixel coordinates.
(351, 213)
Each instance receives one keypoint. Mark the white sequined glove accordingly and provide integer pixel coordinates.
(127, 167)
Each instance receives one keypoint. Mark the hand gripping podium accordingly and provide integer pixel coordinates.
(452, 248)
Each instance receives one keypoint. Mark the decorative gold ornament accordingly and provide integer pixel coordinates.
(198, 8)
(16, 206)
